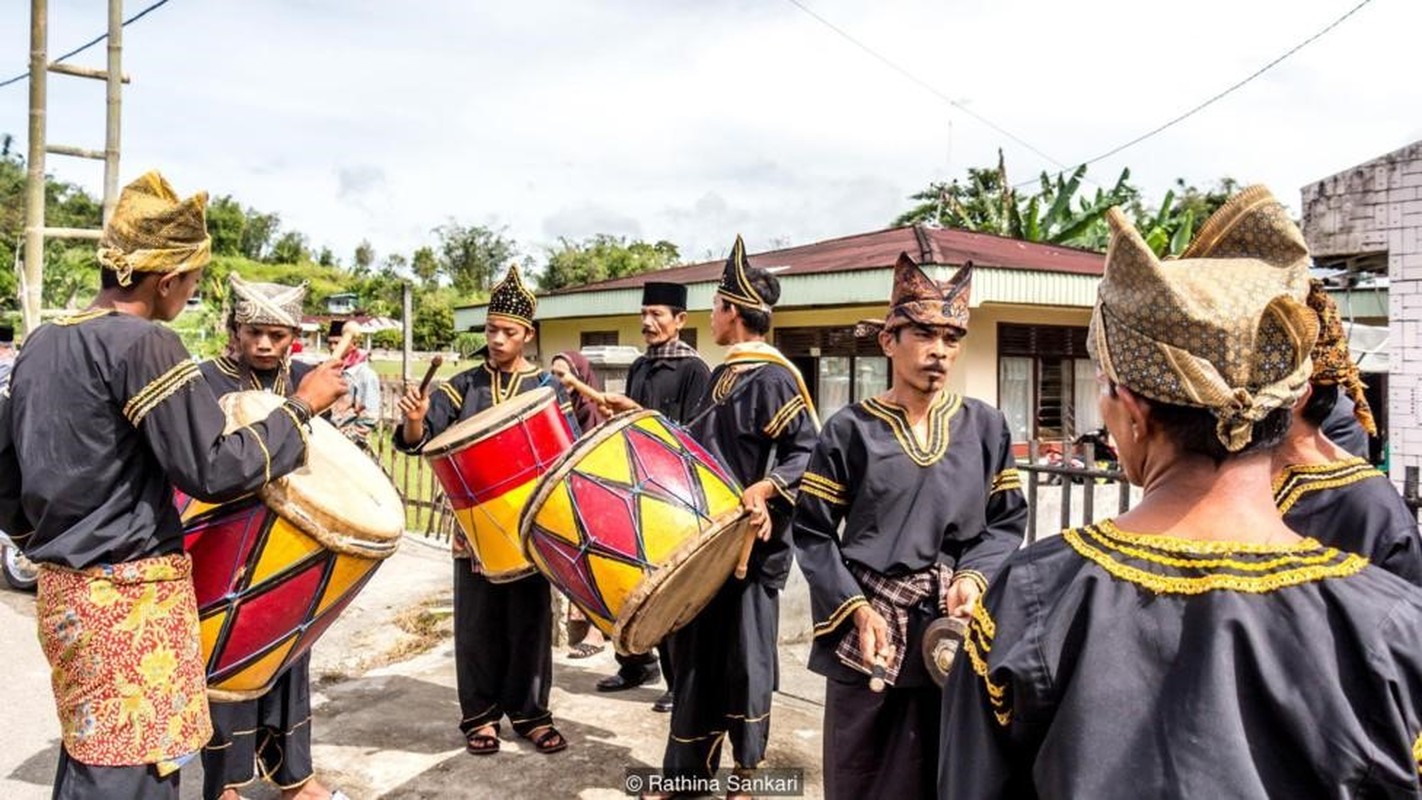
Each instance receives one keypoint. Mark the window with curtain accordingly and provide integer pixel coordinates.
(1014, 394)
(834, 385)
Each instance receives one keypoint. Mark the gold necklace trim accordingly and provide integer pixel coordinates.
(84, 316)
(1297, 480)
(939, 415)
(1337, 565)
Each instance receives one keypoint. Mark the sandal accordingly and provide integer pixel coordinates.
(585, 650)
(482, 744)
(548, 741)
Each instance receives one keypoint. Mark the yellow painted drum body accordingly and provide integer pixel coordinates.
(638, 526)
(489, 466)
(273, 571)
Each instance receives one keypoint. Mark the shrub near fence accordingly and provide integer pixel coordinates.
(427, 510)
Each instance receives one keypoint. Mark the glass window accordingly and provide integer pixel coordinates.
(833, 389)
(1088, 411)
(871, 376)
(1014, 394)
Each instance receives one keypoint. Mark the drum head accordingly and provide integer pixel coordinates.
(341, 498)
(679, 589)
(488, 421)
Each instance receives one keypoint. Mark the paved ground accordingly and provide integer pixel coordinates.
(389, 729)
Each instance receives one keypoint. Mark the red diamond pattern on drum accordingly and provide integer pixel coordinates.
(220, 551)
(271, 616)
(320, 624)
(572, 573)
(711, 462)
(661, 466)
(608, 515)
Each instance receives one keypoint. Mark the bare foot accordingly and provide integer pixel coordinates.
(229, 794)
(313, 789)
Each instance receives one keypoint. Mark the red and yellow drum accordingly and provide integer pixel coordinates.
(638, 526)
(490, 464)
(273, 571)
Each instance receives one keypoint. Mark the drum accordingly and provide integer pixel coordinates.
(638, 526)
(489, 465)
(273, 571)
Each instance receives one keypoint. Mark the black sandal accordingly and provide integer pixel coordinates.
(549, 741)
(481, 744)
(585, 650)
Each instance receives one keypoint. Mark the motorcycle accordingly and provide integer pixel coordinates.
(1105, 457)
(19, 573)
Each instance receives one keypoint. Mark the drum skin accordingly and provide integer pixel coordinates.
(272, 571)
(489, 466)
(638, 526)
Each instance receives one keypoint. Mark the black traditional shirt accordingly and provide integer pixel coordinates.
(107, 412)
(672, 386)
(225, 374)
(905, 506)
(1106, 664)
(756, 421)
(1351, 506)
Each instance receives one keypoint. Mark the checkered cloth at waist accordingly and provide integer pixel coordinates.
(892, 597)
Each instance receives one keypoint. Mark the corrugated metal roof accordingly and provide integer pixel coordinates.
(990, 285)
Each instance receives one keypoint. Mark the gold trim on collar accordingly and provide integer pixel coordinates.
(1242, 567)
(500, 392)
(84, 316)
(939, 416)
(1297, 480)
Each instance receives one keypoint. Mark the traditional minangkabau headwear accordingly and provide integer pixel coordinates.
(152, 230)
(917, 299)
(735, 283)
(265, 303)
(1332, 362)
(1222, 328)
(512, 301)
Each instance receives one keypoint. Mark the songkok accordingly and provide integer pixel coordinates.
(266, 303)
(7, 334)
(1223, 328)
(512, 301)
(1332, 362)
(664, 294)
(735, 283)
(152, 230)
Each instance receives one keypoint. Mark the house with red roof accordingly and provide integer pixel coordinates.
(1025, 351)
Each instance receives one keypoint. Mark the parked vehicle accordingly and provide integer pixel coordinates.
(1104, 456)
(18, 571)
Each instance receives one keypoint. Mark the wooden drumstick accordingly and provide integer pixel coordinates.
(348, 338)
(435, 364)
(574, 385)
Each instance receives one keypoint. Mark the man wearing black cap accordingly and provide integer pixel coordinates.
(671, 377)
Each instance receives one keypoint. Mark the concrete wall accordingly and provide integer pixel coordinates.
(1373, 208)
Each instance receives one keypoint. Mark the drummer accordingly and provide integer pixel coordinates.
(269, 737)
(923, 482)
(758, 419)
(503, 632)
(107, 412)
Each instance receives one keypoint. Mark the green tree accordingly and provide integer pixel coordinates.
(425, 266)
(364, 258)
(603, 257)
(327, 258)
(290, 248)
(471, 255)
(226, 221)
(257, 234)
(433, 325)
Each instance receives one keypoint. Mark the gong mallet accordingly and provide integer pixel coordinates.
(878, 674)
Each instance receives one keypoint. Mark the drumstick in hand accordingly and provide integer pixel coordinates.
(878, 675)
(743, 565)
(435, 364)
(574, 385)
(348, 337)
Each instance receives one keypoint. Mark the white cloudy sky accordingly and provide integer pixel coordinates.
(693, 120)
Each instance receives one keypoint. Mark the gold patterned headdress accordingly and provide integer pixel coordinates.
(266, 303)
(152, 230)
(1332, 362)
(735, 283)
(1222, 328)
(512, 301)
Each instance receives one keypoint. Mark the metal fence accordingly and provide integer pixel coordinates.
(1071, 495)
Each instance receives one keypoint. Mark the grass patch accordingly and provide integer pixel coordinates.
(391, 369)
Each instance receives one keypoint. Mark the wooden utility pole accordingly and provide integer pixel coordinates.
(32, 278)
(408, 322)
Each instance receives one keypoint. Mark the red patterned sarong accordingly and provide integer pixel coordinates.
(125, 661)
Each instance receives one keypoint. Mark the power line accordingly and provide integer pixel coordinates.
(886, 61)
(81, 48)
(1220, 95)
